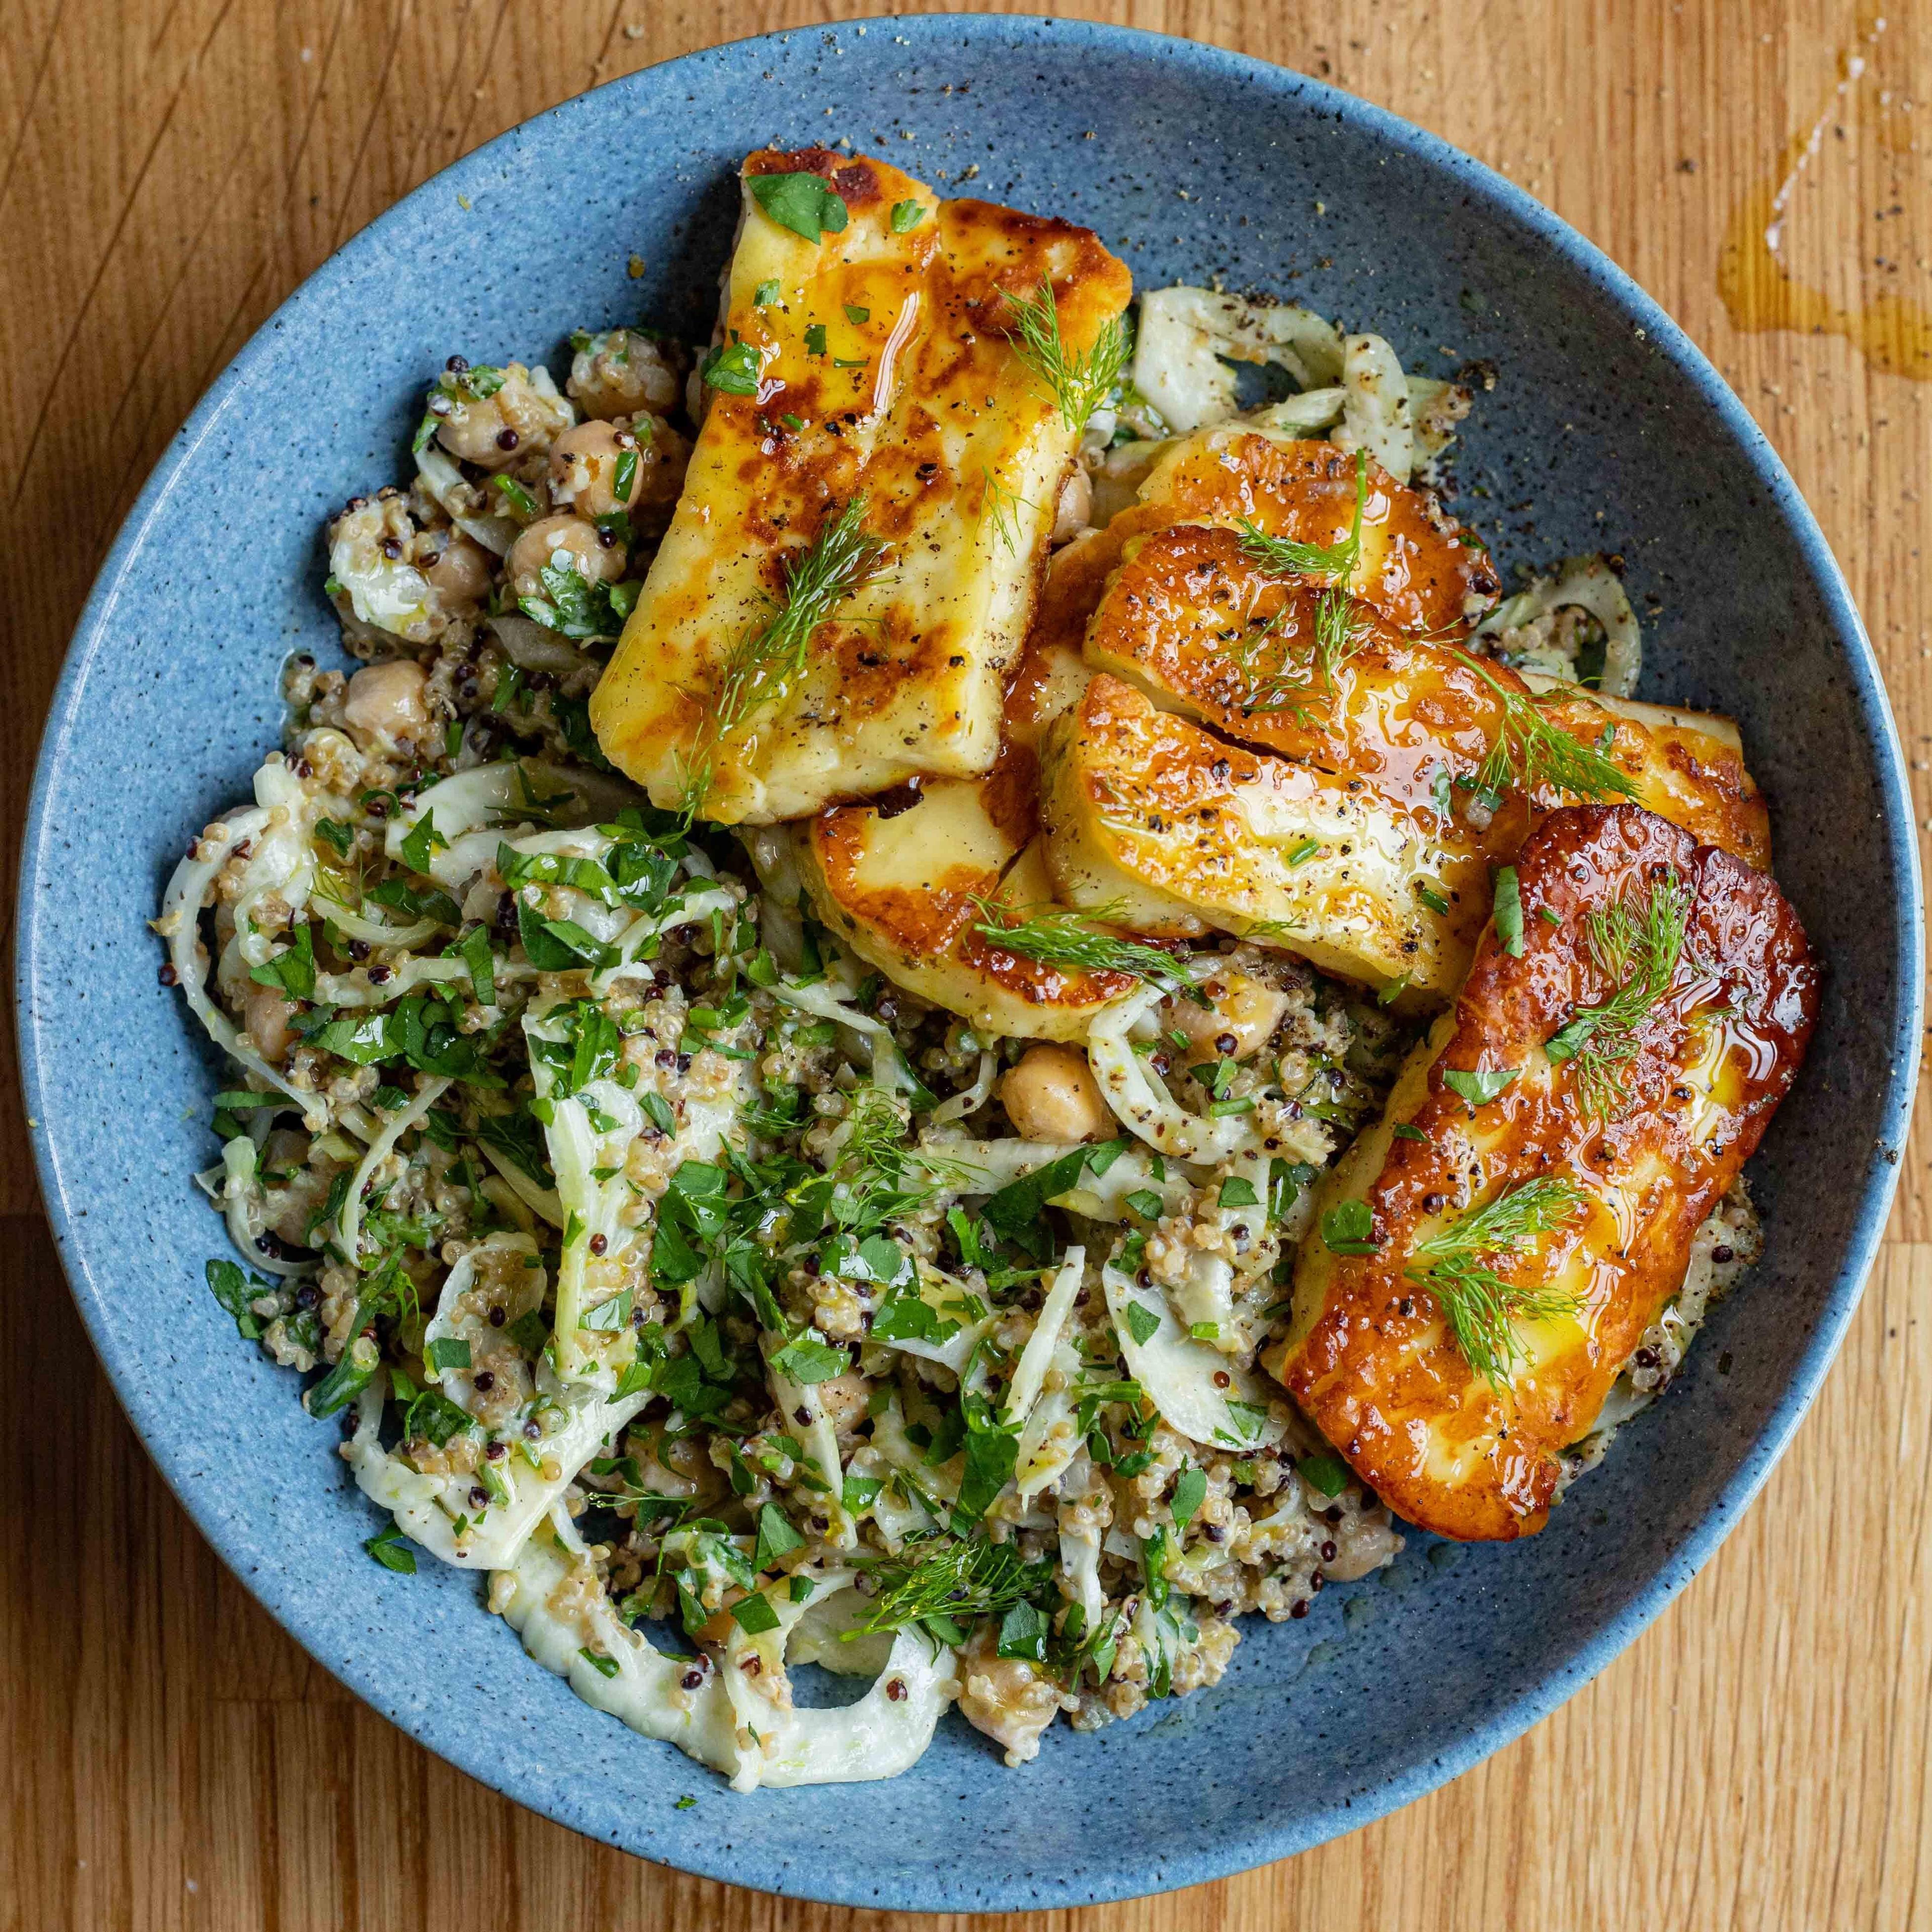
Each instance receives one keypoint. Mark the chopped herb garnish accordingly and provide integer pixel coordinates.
(1190, 1491)
(1637, 944)
(1056, 936)
(765, 294)
(762, 667)
(735, 368)
(1480, 1089)
(1282, 556)
(1079, 382)
(1348, 1228)
(1142, 1322)
(906, 216)
(1530, 752)
(1327, 1474)
(391, 1548)
(1458, 1266)
(805, 203)
(1509, 912)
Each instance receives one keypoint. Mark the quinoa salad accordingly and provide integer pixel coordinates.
(741, 1280)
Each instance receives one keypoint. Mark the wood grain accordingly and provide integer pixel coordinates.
(169, 169)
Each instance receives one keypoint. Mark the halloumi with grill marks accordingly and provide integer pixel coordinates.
(1420, 569)
(886, 373)
(1205, 631)
(1180, 831)
(1370, 1356)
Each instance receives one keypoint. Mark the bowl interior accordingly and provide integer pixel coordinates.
(1603, 422)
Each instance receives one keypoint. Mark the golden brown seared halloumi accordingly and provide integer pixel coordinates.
(886, 375)
(1179, 831)
(1643, 1142)
(903, 882)
(1205, 631)
(1417, 567)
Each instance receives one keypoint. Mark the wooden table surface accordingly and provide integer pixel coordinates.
(168, 169)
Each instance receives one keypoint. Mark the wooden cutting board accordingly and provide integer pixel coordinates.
(168, 169)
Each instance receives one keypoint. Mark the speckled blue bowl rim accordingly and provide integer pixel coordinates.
(701, 1851)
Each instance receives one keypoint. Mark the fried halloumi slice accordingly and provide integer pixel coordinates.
(1175, 832)
(1204, 630)
(874, 366)
(906, 882)
(1417, 566)
(1483, 1262)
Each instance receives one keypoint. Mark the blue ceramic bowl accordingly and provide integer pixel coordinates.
(1604, 420)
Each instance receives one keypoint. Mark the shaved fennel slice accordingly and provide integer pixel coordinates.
(452, 1322)
(346, 989)
(281, 860)
(883, 1733)
(1049, 1436)
(593, 1339)
(1180, 1374)
(1029, 1375)
(968, 1100)
(1103, 1197)
(1584, 583)
(1375, 416)
(540, 1200)
(519, 791)
(820, 1439)
(645, 1690)
(179, 924)
(534, 646)
(1080, 1557)
(1306, 414)
(897, 1516)
(349, 1221)
(427, 1508)
(695, 911)
(239, 1192)
(1187, 334)
(890, 1440)
(985, 1167)
(889, 1068)
(939, 1291)
(1140, 1098)
(455, 498)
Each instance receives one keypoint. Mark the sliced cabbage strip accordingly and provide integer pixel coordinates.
(1198, 1391)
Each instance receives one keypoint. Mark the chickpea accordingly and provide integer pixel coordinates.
(843, 1398)
(266, 1015)
(1049, 1095)
(584, 465)
(1246, 1011)
(387, 701)
(461, 574)
(620, 372)
(1076, 506)
(494, 431)
(581, 540)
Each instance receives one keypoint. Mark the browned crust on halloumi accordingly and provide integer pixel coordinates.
(1371, 1358)
(1205, 631)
